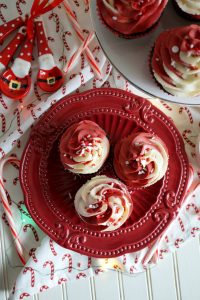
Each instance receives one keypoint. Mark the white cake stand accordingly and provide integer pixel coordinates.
(131, 57)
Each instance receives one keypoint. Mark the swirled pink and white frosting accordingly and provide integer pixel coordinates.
(141, 159)
(104, 203)
(84, 147)
(130, 16)
(176, 61)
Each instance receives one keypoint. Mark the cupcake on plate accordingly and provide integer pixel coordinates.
(131, 18)
(140, 159)
(188, 8)
(84, 147)
(176, 61)
(103, 202)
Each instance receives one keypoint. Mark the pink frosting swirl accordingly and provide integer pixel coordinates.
(84, 147)
(130, 16)
(140, 159)
(103, 202)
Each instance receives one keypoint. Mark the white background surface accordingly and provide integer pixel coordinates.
(177, 277)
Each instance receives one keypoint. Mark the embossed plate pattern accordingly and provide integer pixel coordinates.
(49, 190)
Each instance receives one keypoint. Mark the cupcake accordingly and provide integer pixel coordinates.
(176, 61)
(130, 17)
(188, 8)
(84, 147)
(103, 202)
(140, 159)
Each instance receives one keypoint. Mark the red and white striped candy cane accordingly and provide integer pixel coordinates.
(188, 112)
(62, 280)
(3, 102)
(188, 141)
(17, 114)
(97, 271)
(194, 230)
(193, 206)
(18, 2)
(7, 209)
(181, 224)
(32, 254)
(23, 295)
(132, 269)
(79, 32)
(78, 53)
(178, 242)
(51, 264)
(3, 122)
(25, 228)
(89, 262)
(52, 247)
(81, 274)
(69, 259)
(56, 17)
(29, 269)
(44, 288)
(2, 5)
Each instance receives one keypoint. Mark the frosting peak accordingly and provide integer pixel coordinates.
(84, 147)
(103, 202)
(140, 159)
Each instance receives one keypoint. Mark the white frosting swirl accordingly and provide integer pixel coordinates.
(90, 158)
(103, 202)
(189, 6)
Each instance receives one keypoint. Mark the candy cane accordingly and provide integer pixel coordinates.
(52, 247)
(61, 280)
(77, 54)
(44, 288)
(178, 242)
(96, 49)
(70, 261)
(51, 264)
(79, 275)
(7, 209)
(29, 269)
(4, 218)
(193, 206)
(23, 295)
(17, 142)
(25, 228)
(66, 33)
(82, 79)
(17, 114)
(89, 262)
(18, 6)
(3, 122)
(21, 210)
(181, 224)
(64, 88)
(51, 39)
(79, 32)
(193, 230)
(106, 84)
(82, 61)
(76, 3)
(166, 239)
(165, 105)
(186, 109)
(63, 58)
(36, 92)
(185, 132)
(132, 269)
(1, 15)
(94, 82)
(54, 15)
(108, 68)
(124, 260)
(3, 102)
(136, 259)
(32, 254)
(161, 253)
(33, 115)
(97, 271)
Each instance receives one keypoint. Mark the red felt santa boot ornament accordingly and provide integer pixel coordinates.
(7, 53)
(15, 82)
(50, 77)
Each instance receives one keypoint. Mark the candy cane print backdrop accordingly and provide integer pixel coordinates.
(50, 264)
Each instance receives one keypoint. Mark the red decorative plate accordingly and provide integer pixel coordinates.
(49, 190)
